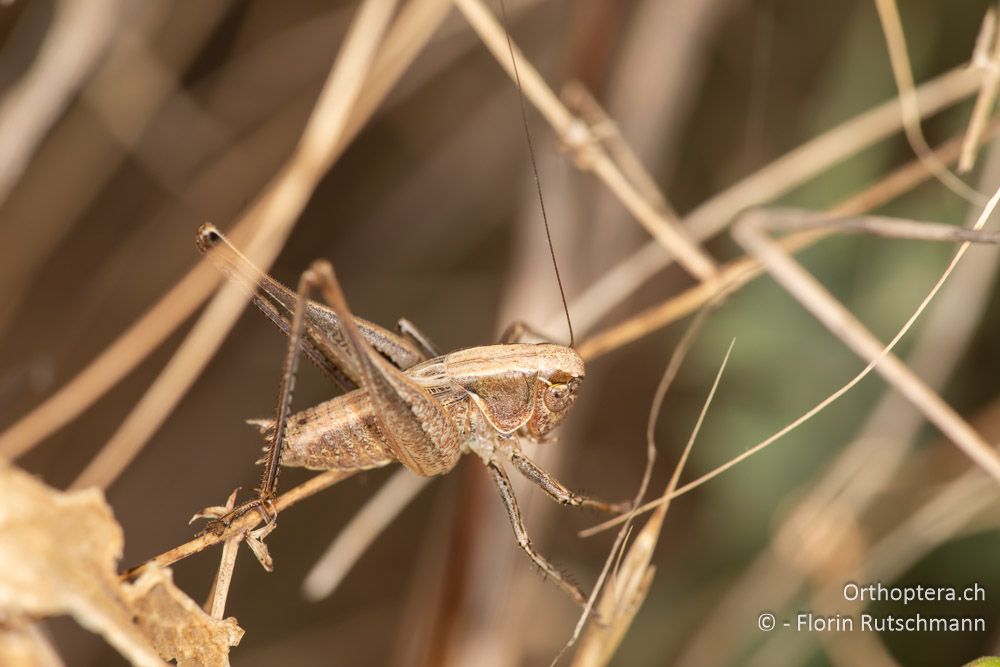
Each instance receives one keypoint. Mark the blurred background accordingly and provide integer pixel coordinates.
(170, 114)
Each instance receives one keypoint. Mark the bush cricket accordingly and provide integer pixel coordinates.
(404, 401)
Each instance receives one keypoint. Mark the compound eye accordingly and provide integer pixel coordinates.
(557, 397)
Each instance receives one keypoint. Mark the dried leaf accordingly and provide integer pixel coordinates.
(59, 553)
(23, 645)
(177, 626)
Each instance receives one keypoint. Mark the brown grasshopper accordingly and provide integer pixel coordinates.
(404, 401)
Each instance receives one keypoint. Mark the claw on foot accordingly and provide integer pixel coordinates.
(215, 527)
(222, 517)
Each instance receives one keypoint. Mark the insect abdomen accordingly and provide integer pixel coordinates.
(339, 434)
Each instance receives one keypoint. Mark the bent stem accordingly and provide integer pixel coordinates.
(622, 598)
(245, 523)
(669, 375)
(590, 155)
(739, 272)
(842, 323)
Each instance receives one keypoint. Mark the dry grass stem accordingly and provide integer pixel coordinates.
(116, 361)
(607, 291)
(80, 33)
(868, 649)
(856, 481)
(273, 214)
(815, 156)
(625, 593)
(144, 119)
(411, 31)
(129, 86)
(839, 320)
(365, 526)
(737, 273)
(793, 169)
(604, 129)
(987, 57)
(941, 518)
(575, 134)
(888, 14)
(131, 117)
(842, 323)
(669, 375)
(781, 219)
(242, 525)
(216, 604)
(985, 39)
(935, 522)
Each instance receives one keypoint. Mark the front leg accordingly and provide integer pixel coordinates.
(513, 511)
(555, 488)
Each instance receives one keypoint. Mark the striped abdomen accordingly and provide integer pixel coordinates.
(342, 434)
(339, 434)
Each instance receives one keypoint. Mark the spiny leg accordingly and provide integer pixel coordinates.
(416, 427)
(391, 400)
(272, 461)
(267, 492)
(510, 502)
(322, 339)
(560, 493)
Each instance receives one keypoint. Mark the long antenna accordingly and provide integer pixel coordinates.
(534, 169)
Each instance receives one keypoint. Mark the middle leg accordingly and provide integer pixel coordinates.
(513, 511)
